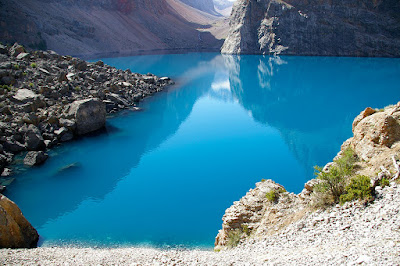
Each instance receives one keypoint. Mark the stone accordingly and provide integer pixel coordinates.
(82, 66)
(13, 146)
(89, 115)
(15, 230)
(367, 112)
(35, 158)
(16, 49)
(25, 95)
(22, 56)
(33, 139)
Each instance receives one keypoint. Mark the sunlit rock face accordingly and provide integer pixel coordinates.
(295, 27)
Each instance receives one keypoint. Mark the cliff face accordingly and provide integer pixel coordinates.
(301, 27)
(107, 26)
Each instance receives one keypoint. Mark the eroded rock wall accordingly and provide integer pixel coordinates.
(295, 27)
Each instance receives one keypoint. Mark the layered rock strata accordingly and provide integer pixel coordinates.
(325, 28)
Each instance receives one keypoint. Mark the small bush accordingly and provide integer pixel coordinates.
(33, 65)
(246, 229)
(333, 181)
(6, 87)
(384, 182)
(273, 194)
(16, 66)
(77, 88)
(358, 188)
(31, 84)
(234, 238)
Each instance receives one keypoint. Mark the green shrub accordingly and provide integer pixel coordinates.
(358, 188)
(246, 229)
(384, 182)
(77, 88)
(16, 66)
(273, 194)
(33, 65)
(31, 84)
(333, 181)
(6, 87)
(234, 238)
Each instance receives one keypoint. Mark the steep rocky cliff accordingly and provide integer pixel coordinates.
(107, 26)
(268, 209)
(301, 27)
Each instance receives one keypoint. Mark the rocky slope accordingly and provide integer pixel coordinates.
(47, 99)
(203, 5)
(109, 26)
(296, 27)
(376, 143)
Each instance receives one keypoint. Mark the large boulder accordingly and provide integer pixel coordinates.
(89, 115)
(34, 140)
(15, 230)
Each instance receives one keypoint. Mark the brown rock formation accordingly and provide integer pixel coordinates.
(15, 230)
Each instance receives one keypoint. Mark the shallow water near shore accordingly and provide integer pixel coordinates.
(165, 175)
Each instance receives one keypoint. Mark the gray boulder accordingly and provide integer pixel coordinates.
(25, 95)
(33, 139)
(35, 158)
(89, 115)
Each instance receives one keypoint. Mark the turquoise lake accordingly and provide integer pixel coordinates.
(164, 176)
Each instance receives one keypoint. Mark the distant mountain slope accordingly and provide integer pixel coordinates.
(87, 27)
(301, 27)
(203, 5)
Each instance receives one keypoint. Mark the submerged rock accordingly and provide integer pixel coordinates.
(15, 230)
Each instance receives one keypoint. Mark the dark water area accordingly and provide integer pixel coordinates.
(164, 176)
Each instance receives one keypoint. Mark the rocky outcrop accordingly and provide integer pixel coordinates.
(15, 230)
(296, 27)
(110, 26)
(268, 210)
(376, 139)
(47, 99)
(256, 215)
(89, 115)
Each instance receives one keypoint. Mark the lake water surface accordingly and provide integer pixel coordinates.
(164, 176)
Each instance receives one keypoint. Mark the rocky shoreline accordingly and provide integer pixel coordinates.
(353, 234)
(47, 99)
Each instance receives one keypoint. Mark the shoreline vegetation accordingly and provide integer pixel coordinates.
(349, 214)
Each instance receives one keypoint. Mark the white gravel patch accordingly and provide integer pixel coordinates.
(352, 234)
